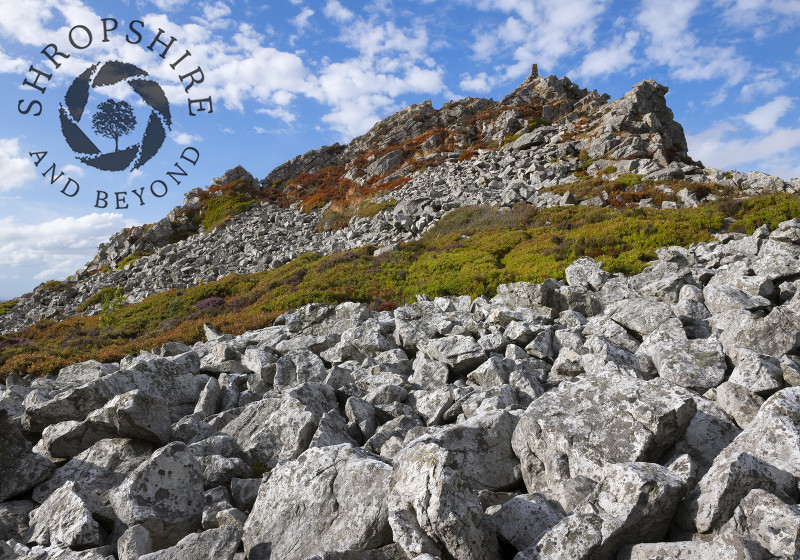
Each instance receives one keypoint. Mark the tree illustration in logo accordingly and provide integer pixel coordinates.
(113, 119)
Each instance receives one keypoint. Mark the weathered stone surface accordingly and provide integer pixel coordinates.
(281, 427)
(84, 372)
(642, 316)
(215, 543)
(729, 547)
(330, 498)
(765, 455)
(720, 298)
(522, 520)
(64, 519)
(461, 353)
(20, 468)
(164, 494)
(571, 431)
(100, 469)
(760, 373)
(134, 543)
(694, 364)
(14, 519)
(765, 519)
(739, 402)
(431, 509)
(776, 334)
(633, 503)
(170, 379)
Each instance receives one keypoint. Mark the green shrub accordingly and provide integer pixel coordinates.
(6, 306)
(108, 312)
(372, 209)
(132, 258)
(629, 179)
(55, 286)
(100, 297)
(222, 208)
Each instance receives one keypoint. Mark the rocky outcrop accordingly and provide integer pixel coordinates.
(538, 432)
(545, 131)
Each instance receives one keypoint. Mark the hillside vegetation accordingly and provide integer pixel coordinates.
(470, 251)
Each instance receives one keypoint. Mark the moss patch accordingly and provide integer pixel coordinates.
(132, 258)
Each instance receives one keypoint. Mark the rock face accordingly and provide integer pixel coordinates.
(329, 498)
(650, 416)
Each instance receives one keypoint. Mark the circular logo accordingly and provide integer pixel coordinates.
(114, 119)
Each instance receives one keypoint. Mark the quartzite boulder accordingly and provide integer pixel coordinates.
(20, 468)
(572, 431)
(164, 494)
(329, 498)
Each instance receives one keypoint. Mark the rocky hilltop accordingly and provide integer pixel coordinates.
(415, 166)
(650, 415)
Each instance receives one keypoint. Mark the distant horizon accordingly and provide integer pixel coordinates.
(289, 77)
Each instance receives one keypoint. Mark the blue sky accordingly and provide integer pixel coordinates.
(289, 76)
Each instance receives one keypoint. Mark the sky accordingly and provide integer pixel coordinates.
(280, 78)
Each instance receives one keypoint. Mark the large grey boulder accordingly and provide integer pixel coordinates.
(281, 427)
(14, 519)
(480, 449)
(633, 503)
(769, 521)
(776, 334)
(64, 519)
(171, 379)
(329, 498)
(84, 372)
(639, 315)
(432, 510)
(100, 469)
(219, 544)
(386, 163)
(461, 353)
(597, 420)
(164, 494)
(523, 519)
(765, 455)
(20, 468)
(729, 547)
(543, 299)
(720, 298)
(760, 373)
(130, 415)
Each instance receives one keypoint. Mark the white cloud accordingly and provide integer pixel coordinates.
(10, 65)
(169, 5)
(764, 118)
(337, 12)
(673, 44)
(58, 246)
(73, 170)
(279, 113)
(617, 56)
(300, 21)
(774, 152)
(16, 168)
(184, 138)
(479, 83)
(765, 82)
(760, 17)
(541, 32)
